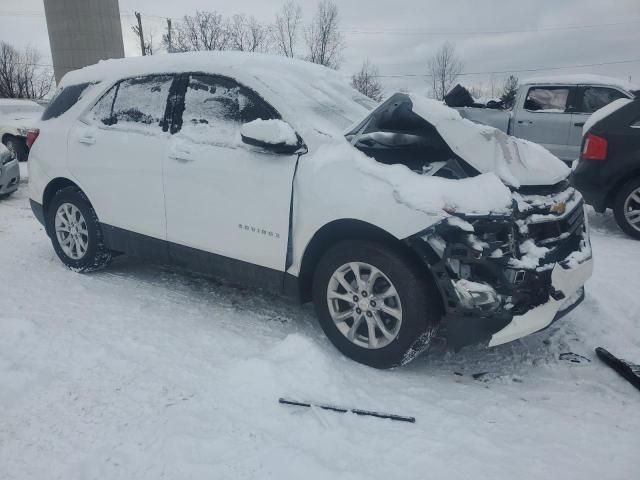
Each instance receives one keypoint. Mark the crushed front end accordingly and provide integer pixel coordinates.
(502, 277)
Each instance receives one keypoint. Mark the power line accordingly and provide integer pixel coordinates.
(524, 70)
(409, 31)
(399, 31)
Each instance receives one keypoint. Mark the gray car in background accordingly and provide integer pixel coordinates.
(552, 111)
(9, 172)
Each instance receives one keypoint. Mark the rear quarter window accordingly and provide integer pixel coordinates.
(64, 100)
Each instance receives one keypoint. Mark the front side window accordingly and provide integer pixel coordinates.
(215, 108)
(547, 99)
(102, 111)
(594, 98)
(140, 102)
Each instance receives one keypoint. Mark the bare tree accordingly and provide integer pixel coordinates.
(147, 46)
(288, 21)
(324, 39)
(202, 31)
(366, 81)
(22, 75)
(248, 35)
(444, 68)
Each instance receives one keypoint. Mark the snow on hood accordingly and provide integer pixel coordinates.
(20, 119)
(482, 195)
(515, 161)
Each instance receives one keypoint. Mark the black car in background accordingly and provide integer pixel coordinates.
(608, 171)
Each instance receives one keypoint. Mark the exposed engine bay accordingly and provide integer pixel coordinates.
(490, 269)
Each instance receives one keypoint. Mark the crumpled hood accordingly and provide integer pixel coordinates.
(515, 161)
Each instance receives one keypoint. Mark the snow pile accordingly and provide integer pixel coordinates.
(272, 132)
(604, 112)
(517, 162)
(141, 372)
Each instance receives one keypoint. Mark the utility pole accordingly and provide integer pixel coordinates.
(169, 44)
(140, 34)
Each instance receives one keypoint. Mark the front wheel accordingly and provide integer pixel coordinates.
(75, 232)
(375, 305)
(626, 208)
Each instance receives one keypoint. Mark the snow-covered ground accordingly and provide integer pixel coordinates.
(142, 372)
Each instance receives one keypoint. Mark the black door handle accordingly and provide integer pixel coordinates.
(579, 124)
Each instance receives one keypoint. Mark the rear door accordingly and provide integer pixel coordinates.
(224, 196)
(588, 100)
(116, 152)
(542, 118)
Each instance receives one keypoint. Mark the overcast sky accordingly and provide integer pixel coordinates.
(400, 35)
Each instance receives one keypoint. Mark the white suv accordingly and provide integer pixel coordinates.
(411, 223)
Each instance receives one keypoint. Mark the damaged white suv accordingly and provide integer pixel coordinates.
(415, 224)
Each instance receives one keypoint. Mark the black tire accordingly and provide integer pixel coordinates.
(97, 255)
(421, 305)
(619, 208)
(18, 147)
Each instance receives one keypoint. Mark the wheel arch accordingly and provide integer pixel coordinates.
(335, 232)
(622, 181)
(53, 187)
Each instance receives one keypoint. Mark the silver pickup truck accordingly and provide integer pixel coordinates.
(553, 111)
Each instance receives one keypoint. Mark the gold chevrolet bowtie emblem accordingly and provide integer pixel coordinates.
(559, 208)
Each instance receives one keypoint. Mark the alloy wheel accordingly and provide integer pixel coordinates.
(632, 209)
(364, 305)
(71, 231)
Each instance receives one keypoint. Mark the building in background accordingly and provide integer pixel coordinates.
(82, 32)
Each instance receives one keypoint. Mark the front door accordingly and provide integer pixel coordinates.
(543, 119)
(116, 154)
(223, 196)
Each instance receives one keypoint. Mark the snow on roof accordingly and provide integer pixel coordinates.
(12, 102)
(582, 79)
(515, 161)
(604, 112)
(305, 94)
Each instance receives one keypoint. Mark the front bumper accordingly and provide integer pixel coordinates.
(491, 290)
(569, 281)
(594, 183)
(9, 177)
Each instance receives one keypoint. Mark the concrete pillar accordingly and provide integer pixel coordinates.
(82, 32)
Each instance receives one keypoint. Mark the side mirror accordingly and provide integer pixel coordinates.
(273, 135)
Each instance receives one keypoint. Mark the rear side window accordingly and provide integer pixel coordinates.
(547, 99)
(140, 102)
(64, 100)
(215, 108)
(594, 98)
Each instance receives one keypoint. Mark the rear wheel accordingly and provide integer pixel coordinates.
(626, 208)
(75, 232)
(375, 306)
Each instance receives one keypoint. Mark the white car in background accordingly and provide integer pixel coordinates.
(415, 223)
(9, 173)
(17, 117)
